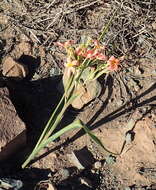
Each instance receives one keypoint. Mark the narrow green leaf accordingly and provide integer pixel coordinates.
(50, 121)
(96, 139)
(68, 84)
(98, 74)
(106, 27)
(73, 125)
(69, 127)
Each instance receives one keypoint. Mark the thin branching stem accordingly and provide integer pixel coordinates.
(107, 26)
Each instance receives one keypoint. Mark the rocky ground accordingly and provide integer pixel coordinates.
(123, 116)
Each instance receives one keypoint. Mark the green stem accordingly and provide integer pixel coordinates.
(71, 126)
(74, 125)
(57, 121)
(50, 139)
(52, 118)
(50, 121)
(106, 27)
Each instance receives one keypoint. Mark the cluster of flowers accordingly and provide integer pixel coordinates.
(90, 50)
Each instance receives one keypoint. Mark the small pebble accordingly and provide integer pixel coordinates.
(120, 102)
(97, 165)
(8, 183)
(129, 137)
(127, 188)
(136, 88)
(110, 159)
(45, 185)
(81, 158)
(154, 25)
(65, 173)
(54, 71)
(75, 161)
(154, 72)
(86, 181)
(138, 71)
(93, 171)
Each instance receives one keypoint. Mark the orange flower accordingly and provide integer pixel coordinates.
(80, 51)
(94, 54)
(113, 63)
(90, 54)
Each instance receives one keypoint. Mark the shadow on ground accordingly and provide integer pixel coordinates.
(35, 101)
(126, 108)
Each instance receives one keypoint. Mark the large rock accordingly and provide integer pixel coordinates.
(86, 91)
(12, 68)
(86, 94)
(12, 128)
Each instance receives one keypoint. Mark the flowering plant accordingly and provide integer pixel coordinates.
(89, 54)
(86, 62)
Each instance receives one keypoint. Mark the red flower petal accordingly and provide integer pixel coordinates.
(113, 63)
